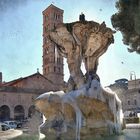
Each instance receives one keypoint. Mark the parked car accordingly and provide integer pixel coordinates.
(12, 124)
(4, 126)
(19, 124)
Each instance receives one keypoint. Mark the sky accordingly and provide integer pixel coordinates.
(21, 38)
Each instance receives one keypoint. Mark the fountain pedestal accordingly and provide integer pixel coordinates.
(86, 109)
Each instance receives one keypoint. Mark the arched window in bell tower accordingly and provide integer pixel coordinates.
(47, 51)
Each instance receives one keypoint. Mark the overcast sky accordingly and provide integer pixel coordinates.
(21, 38)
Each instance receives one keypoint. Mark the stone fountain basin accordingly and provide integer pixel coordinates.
(95, 112)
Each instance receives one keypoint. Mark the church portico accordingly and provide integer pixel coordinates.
(15, 110)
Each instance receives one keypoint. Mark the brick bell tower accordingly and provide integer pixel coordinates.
(52, 60)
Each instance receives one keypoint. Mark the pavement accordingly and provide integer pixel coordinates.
(12, 133)
(133, 126)
(9, 134)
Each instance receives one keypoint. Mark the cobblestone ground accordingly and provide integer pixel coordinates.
(9, 134)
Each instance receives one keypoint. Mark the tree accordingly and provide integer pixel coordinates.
(127, 20)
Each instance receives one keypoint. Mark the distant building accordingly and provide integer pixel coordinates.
(17, 96)
(132, 96)
(129, 94)
(120, 87)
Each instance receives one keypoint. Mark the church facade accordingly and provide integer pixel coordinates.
(17, 96)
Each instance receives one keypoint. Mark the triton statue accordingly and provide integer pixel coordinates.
(86, 110)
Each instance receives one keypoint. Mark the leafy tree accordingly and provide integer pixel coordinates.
(127, 20)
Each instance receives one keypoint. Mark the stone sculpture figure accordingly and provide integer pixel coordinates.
(82, 17)
(82, 41)
(71, 50)
(86, 109)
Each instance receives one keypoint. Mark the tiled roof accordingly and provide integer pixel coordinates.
(52, 6)
(13, 82)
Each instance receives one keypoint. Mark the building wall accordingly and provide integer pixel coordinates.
(13, 99)
(132, 96)
(22, 92)
(36, 82)
(134, 84)
(129, 96)
(132, 99)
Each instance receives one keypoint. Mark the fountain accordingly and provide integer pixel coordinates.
(85, 109)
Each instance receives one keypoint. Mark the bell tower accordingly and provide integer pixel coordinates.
(52, 60)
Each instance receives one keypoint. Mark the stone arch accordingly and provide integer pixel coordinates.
(19, 112)
(31, 111)
(4, 113)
